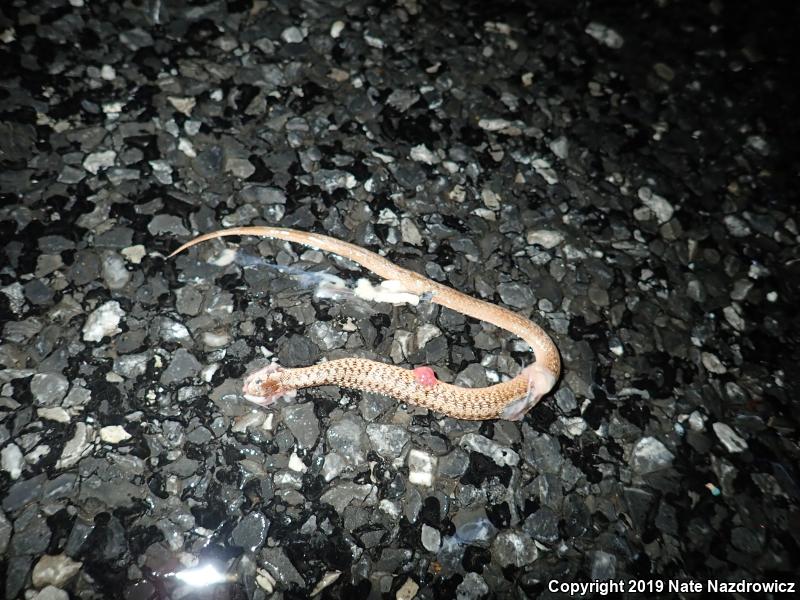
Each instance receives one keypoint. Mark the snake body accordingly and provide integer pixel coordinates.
(506, 400)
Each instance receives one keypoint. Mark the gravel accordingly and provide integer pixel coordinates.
(627, 179)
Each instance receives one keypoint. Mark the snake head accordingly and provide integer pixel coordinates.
(263, 387)
(540, 381)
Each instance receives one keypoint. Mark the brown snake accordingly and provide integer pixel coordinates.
(506, 400)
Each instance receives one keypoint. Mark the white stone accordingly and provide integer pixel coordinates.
(457, 194)
(575, 426)
(374, 42)
(187, 148)
(485, 214)
(388, 217)
(736, 227)
(103, 322)
(296, 464)
(729, 438)
(56, 413)
(545, 170)
(134, 254)
(112, 109)
(265, 581)
(115, 274)
(493, 124)
(650, 455)
(183, 105)
(410, 232)
(546, 238)
(51, 593)
(77, 447)
(734, 318)
(390, 508)
(605, 35)
(696, 421)
(425, 333)
(659, 206)
(490, 199)
(114, 434)
(421, 466)
(12, 461)
(420, 153)
(108, 73)
(99, 160)
(431, 538)
(473, 586)
(560, 147)
(713, 364)
(408, 590)
(337, 28)
(35, 455)
(55, 570)
(501, 455)
(293, 35)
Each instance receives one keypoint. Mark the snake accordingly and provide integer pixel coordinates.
(509, 400)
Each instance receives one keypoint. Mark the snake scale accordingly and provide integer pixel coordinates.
(509, 400)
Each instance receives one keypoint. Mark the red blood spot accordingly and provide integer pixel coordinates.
(425, 376)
